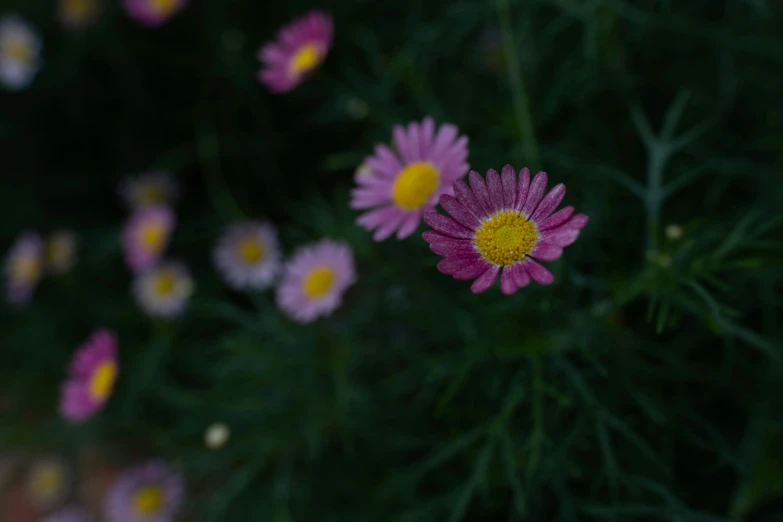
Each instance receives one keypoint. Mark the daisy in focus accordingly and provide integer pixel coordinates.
(20, 53)
(60, 252)
(300, 48)
(78, 14)
(69, 514)
(315, 280)
(92, 374)
(164, 290)
(502, 226)
(148, 189)
(407, 182)
(150, 492)
(24, 267)
(47, 482)
(248, 255)
(153, 13)
(147, 234)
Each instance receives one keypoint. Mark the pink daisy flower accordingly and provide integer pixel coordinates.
(164, 291)
(300, 48)
(148, 189)
(405, 184)
(24, 267)
(315, 280)
(92, 374)
(148, 492)
(153, 13)
(146, 236)
(502, 224)
(248, 255)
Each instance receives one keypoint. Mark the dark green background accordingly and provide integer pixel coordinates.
(641, 386)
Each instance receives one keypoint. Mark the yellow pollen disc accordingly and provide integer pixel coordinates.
(505, 238)
(148, 500)
(165, 284)
(48, 480)
(18, 49)
(318, 282)
(153, 236)
(26, 270)
(306, 58)
(250, 250)
(414, 185)
(163, 7)
(102, 381)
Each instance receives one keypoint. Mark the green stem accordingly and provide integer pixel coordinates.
(654, 193)
(518, 91)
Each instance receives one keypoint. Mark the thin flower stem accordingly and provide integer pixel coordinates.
(518, 91)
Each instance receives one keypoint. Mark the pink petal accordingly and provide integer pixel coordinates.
(509, 178)
(468, 199)
(414, 140)
(549, 203)
(453, 264)
(556, 219)
(539, 274)
(495, 189)
(402, 144)
(486, 280)
(480, 191)
(387, 228)
(507, 284)
(409, 226)
(458, 211)
(427, 134)
(546, 251)
(519, 274)
(377, 217)
(522, 188)
(446, 135)
(445, 245)
(446, 225)
(537, 189)
(471, 270)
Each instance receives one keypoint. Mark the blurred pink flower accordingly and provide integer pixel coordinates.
(409, 181)
(153, 13)
(92, 374)
(146, 236)
(24, 267)
(300, 48)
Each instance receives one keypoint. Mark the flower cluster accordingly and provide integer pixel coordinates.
(31, 257)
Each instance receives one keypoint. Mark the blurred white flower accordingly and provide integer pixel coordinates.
(217, 436)
(20, 53)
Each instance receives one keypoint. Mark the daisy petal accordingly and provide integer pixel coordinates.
(509, 178)
(556, 219)
(523, 186)
(458, 211)
(549, 203)
(486, 280)
(519, 274)
(539, 274)
(495, 189)
(546, 251)
(480, 191)
(507, 284)
(537, 189)
(446, 225)
(465, 196)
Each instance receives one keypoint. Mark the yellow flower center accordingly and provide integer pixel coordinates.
(415, 184)
(148, 500)
(318, 282)
(26, 270)
(306, 58)
(151, 194)
(163, 7)
(505, 238)
(102, 380)
(165, 284)
(153, 236)
(47, 480)
(250, 250)
(79, 9)
(18, 49)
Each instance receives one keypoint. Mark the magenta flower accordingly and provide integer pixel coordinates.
(248, 255)
(315, 280)
(300, 48)
(505, 224)
(24, 267)
(153, 13)
(405, 184)
(150, 492)
(92, 374)
(146, 236)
